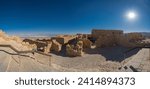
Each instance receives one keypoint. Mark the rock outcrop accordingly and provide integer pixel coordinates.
(14, 41)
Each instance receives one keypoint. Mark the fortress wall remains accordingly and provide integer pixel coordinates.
(106, 37)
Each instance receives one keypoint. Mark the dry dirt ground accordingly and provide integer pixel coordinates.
(98, 62)
(104, 59)
(88, 62)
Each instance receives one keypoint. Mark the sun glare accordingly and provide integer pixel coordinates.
(131, 15)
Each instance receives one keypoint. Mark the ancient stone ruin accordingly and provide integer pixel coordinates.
(86, 43)
(134, 37)
(56, 46)
(74, 45)
(64, 39)
(107, 38)
(75, 50)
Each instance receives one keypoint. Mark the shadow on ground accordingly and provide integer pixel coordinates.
(116, 53)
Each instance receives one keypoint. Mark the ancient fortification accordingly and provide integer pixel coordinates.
(74, 45)
(40, 52)
(105, 38)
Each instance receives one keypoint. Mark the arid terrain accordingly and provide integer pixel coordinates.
(100, 51)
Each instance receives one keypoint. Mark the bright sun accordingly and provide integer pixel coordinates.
(131, 15)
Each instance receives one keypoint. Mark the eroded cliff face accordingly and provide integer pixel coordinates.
(15, 42)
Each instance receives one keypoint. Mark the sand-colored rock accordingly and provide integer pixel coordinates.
(100, 32)
(75, 50)
(48, 47)
(105, 41)
(43, 46)
(82, 36)
(70, 51)
(79, 48)
(134, 37)
(86, 43)
(17, 39)
(107, 38)
(14, 41)
(56, 46)
(64, 39)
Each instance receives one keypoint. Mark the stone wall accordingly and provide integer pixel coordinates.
(99, 32)
(123, 41)
(45, 45)
(106, 38)
(134, 37)
(40, 45)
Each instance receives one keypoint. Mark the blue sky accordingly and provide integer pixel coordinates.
(72, 16)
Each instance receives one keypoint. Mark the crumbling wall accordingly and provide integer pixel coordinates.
(56, 46)
(99, 32)
(48, 47)
(82, 36)
(64, 39)
(75, 50)
(123, 41)
(104, 41)
(106, 38)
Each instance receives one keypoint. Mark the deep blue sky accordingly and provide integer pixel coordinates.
(72, 16)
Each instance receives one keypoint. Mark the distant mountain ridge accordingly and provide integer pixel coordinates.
(36, 35)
